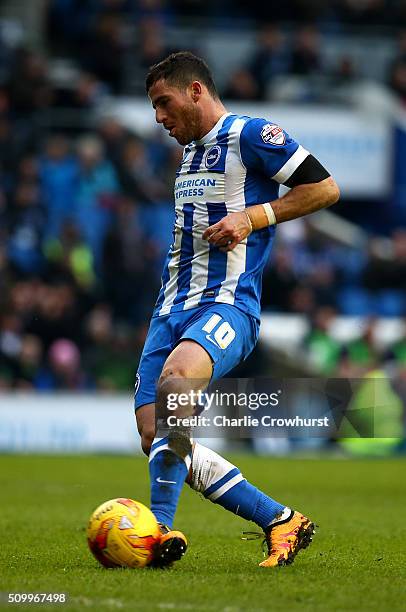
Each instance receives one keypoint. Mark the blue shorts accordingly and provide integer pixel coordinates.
(225, 332)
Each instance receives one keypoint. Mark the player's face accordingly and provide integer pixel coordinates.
(176, 110)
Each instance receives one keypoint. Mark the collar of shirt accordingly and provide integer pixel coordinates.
(213, 130)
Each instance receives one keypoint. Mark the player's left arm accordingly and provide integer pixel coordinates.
(312, 188)
(299, 201)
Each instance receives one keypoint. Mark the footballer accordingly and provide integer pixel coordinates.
(207, 315)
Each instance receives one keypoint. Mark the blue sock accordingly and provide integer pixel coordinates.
(168, 473)
(234, 493)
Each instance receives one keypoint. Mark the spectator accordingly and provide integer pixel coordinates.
(26, 228)
(306, 56)
(67, 24)
(362, 352)
(96, 195)
(57, 313)
(64, 368)
(103, 50)
(242, 86)
(388, 273)
(111, 351)
(279, 280)
(23, 298)
(138, 178)
(127, 254)
(302, 300)
(323, 351)
(73, 255)
(30, 369)
(10, 343)
(269, 60)
(89, 92)
(29, 88)
(114, 136)
(59, 174)
(151, 47)
(345, 72)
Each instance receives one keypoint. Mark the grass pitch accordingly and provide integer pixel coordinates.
(356, 562)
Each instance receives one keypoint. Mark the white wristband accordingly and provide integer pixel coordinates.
(269, 213)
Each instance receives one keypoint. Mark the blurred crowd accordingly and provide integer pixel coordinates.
(370, 12)
(308, 270)
(86, 213)
(312, 275)
(116, 41)
(83, 233)
(112, 43)
(81, 237)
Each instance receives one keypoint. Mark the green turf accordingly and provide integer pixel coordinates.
(357, 561)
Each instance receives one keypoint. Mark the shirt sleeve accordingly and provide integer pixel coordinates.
(267, 148)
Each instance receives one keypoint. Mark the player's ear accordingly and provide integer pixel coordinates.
(196, 90)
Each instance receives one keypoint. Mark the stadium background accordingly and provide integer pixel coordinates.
(86, 199)
(85, 219)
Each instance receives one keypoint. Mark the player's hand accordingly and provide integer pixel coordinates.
(229, 232)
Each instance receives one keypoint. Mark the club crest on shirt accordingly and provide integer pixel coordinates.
(273, 134)
(212, 156)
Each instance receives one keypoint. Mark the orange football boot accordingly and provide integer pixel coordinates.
(286, 538)
(171, 547)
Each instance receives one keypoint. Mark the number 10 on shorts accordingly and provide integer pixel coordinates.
(223, 334)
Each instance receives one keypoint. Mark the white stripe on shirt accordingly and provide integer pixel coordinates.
(171, 287)
(291, 165)
(200, 263)
(236, 259)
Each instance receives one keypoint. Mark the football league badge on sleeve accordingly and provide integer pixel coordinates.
(273, 134)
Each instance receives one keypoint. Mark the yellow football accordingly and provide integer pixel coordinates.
(122, 533)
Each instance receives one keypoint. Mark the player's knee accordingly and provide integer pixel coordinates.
(172, 380)
(172, 373)
(147, 437)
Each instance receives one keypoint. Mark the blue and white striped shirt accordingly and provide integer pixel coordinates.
(239, 163)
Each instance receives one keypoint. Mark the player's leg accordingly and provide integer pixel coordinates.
(219, 480)
(285, 531)
(188, 368)
(158, 345)
(228, 335)
(173, 544)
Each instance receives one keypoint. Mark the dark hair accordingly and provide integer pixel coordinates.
(180, 69)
